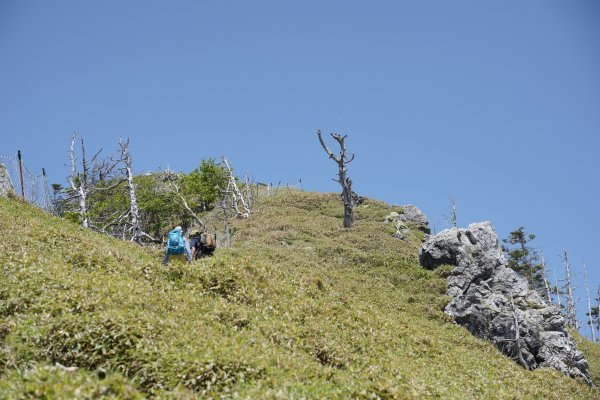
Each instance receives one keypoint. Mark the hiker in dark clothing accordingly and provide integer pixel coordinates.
(196, 243)
(202, 244)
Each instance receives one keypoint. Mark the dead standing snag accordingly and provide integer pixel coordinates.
(233, 198)
(84, 183)
(349, 198)
(133, 225)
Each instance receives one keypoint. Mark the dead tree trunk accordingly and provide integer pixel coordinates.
(233, 197)
(79, 181)
(85, 182)
(134, 212)
(349, 198)
(571, 317)
(557, 290)
(598, 311)
(453, 212)
(517, 339)
(546, 285)
(589, 303)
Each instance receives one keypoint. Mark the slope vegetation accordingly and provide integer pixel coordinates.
(297, 308)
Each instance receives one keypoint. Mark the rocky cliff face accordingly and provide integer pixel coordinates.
(493, 303)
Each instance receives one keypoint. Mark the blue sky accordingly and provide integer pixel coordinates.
(494, 103)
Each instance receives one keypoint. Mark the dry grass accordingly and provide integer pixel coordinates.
(298, 308)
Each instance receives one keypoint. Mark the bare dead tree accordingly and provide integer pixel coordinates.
(598, 311)
(589, 303)
(134, 212)
(248, 185)
(515, 349)
(349, 198)
(453, 210)
(79, 186)
(546, 285)
(557, 290)
(131, 220)
(571, 312)
(233, 198)
(84, 183)
(517, 341)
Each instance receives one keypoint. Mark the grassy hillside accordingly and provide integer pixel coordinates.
(297, 308)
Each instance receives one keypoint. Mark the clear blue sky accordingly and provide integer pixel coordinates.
(494, 103)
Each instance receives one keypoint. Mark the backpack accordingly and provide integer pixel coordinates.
(175, 243)
(209, 241)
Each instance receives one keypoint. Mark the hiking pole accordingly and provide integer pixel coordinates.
(21, 172)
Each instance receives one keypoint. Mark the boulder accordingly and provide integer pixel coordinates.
(494, 303)
(402, 230)
(411, 216)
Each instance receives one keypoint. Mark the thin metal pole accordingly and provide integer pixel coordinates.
(21, 172)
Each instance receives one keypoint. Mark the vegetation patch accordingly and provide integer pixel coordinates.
(52, 382)
(93, 343)
(338, 313)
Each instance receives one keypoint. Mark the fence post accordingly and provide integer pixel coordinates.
(21, 173)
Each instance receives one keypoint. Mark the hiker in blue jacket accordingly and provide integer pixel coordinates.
(177, 247)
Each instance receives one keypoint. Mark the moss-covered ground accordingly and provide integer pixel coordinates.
(297, 308)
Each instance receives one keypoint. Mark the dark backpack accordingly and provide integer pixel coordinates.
(175, 243)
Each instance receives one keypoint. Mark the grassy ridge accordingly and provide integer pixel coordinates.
(297, 308)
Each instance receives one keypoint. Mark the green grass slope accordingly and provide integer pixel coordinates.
(297, 308)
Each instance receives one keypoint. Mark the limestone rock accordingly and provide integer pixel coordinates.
(492, 301)
(412, 216)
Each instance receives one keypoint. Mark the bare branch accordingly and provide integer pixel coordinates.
(95, 155)
(114, 185)
(331, 155)
(183, 202)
